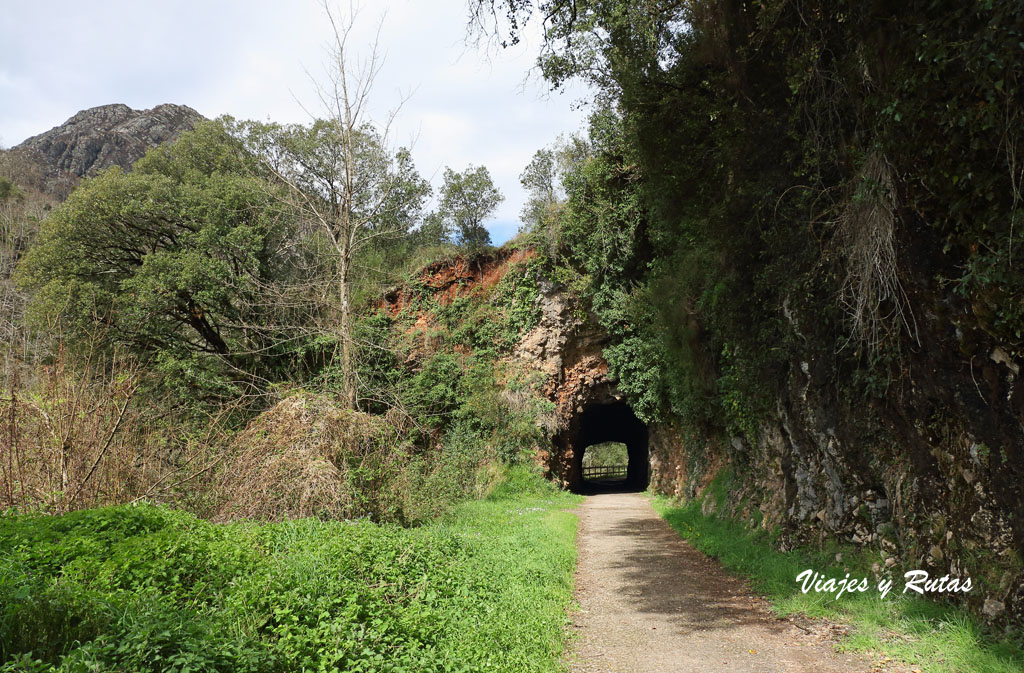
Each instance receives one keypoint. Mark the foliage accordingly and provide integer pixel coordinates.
(8, 190)
(479, 403)
(144, 588)
(544, 179)
(452, 414)
(170, 261)
(776, 173)
(433, 232)
(606, 453)
(199, 263)
(21, 211)
(467, 200)
(498, 320)
(349, 191)
(926, 634)
(516, 297)
(386, 193)
(434, 391)
(502, 407)
(438, 365)
(539, 179)
(603, 231)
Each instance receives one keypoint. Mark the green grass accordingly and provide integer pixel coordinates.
(933, 636)
(147, 588)
(606, 453)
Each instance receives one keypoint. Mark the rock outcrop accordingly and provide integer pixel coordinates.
(100, 137)
(922, 480)
(919, 489)
(567, 349)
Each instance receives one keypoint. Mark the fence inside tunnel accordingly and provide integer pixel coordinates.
(609, 422)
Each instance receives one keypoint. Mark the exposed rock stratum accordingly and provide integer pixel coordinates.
(101, 137)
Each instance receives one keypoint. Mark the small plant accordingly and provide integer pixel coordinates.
(933, 636)
(146, 588)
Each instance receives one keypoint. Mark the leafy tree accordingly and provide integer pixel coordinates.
(358, 199)
(467, 200)
(545, 180)
(344, 179)
(171, 260)
(540, 181)
(8, 189)
(433, 231)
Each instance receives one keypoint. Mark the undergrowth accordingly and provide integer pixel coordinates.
(937, 637)
(148, 588)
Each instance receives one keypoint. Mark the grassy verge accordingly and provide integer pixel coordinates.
(148, 588)
(925, 634)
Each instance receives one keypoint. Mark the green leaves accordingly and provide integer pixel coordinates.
(151, 589)
(8, 190)
(467, 200)
(172, 259)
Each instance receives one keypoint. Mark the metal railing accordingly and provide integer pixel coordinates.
(605, 472)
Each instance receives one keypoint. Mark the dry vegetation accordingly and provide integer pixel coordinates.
(81, 438)
(871, 294)
(77, 437)
(309, 456)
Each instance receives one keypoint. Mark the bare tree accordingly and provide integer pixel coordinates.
(343, 174)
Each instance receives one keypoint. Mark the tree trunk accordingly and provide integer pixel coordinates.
(348, 379)
(65, 468)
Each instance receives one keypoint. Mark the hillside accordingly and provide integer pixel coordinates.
(494, 360)
(771, 292)
(97, 138)
(818, 470)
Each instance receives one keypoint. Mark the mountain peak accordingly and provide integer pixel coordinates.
(100, 137)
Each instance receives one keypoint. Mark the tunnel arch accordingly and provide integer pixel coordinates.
(608, 421)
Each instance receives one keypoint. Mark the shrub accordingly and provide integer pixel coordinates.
(146, 588)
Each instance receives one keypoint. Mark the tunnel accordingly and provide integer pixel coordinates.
(612, 421)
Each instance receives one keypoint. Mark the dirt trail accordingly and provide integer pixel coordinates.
(650, 603)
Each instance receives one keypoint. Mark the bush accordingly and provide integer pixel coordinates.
(308, 456)
(147, 588)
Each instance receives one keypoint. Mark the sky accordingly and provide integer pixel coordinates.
(258, 59)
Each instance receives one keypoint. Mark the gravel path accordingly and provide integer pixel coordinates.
(650, 603)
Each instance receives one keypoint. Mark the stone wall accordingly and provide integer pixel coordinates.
(922, 479)
(821, 470)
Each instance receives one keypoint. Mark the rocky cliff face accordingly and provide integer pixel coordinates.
(100, 137)
(920, 481)
(928, 477)
(566, 347)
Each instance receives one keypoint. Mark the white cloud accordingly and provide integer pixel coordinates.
(249, 58)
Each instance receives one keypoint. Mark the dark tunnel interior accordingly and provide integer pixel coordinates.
(611, 422)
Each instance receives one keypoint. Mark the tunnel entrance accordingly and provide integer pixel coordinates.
(599, 428)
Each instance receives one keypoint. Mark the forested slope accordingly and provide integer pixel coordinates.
(800, 226)
(788, 242)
